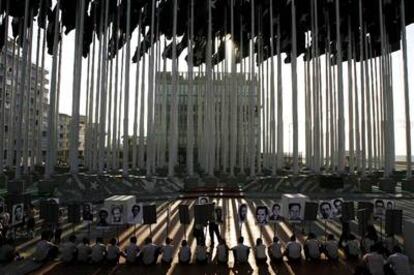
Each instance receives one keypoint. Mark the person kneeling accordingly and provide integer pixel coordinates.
(331, 248)
(241, 252)
(167, 251)
(260, 252)
(312, 248)
(68, 250)
(275, 250)
(293, 249)
(113, 252)
(131, 253)
(222, 252)
(98, 252)
(184, 256)
(201, 253)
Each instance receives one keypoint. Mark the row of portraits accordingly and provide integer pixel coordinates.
(114, 215)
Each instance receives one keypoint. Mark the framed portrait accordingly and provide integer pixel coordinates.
(203, 200)
(17, 213)
(102, 218)
(242, 212)
(262, 215)
(87, 212)
(337, 207)
(116, 215)
(325, 210)
(275, 214)
(135, 214)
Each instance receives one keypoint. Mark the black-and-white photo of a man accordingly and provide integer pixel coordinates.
(262, 215)
(17, 213)
(295, 211)
(135, 214)
(103, 215)
(203, 200)
(337, 208)
(325, 210)
(275, 213)
(87, 214)
(242, 213)
(379, 209)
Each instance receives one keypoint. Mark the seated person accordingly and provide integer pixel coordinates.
(149, 252)
(331, 248)
(222, 252)
(369, 239)
(260, 251)
(241, 252)
(113, 252)
(373, 262)
(8, 252)
(98, 252)
(167, 251)
(352, 249)
(312, 248)
(389, 244)
(184, 255)
(275, 250)
(68, 250)
(131, 252)
(84, 251)
(398, 263)
(201, 253)
(293, 249)
(45, 250)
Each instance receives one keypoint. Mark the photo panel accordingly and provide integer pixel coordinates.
(17, 214)
(325, 210)
(262, 215)
(135, 213)
(203, 200)
(219, 215)
(87, 212)
(293, 206)
(102, 220)
(275, 214)
(337, 208)
(116, 214)
(242, 212)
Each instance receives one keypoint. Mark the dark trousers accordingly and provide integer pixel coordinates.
(213, 228)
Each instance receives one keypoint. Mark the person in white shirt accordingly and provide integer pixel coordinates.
(398, 263)
(68, 250)
(352, 248)
(331, 248)
(222, 252)
(150, 252)
(84, 251)
(98, 251)
(373, 261)
(312, 248)
(167, 251)
(131, 253)
(241, 252)
(260, 252)
(275, 250)
(293, 249)
(45, 250)
(184, 255)
(113, 252)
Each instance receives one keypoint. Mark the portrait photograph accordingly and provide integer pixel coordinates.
(379, 208)
(218, 213)
(337, 207)
(242, 212)
(103, 216)
(87, 212)
(116, 214)
(135, 214)
(275, 213)
(325, 210)
(17, 213)
(262, 215)
(295, 212)
(203, 200)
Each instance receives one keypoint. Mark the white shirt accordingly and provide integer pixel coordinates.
(275, 250)
(112, 252)
(241, 252)
(67, 251)
(399, 263)
(332, 249)
(222, 254)
(98, 252)
(185, 254)
(353, 248)
(131, 252)
(83, 252)
(375, 263)
(167, 252)
(148, 253)
(260, 251)
(313, 248)
(294, 249)
(201, 253)
(42, 250)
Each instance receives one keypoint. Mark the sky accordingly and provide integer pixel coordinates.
(65, 104)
